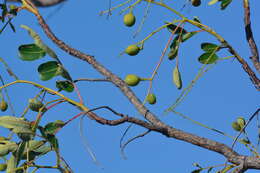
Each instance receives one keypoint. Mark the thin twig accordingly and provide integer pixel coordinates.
(243, 129)
(123, 136)
(131, 140)
(91, 80)
(250, 37)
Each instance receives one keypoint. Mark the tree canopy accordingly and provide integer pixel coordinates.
(158, 71)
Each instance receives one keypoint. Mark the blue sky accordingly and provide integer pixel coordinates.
(217, 99)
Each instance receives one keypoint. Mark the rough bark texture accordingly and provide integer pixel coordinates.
(250, 37)
(152, 122)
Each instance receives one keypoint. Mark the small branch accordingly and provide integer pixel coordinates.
(250, 37)
(242, 130)
(91, 80)
(131, 140)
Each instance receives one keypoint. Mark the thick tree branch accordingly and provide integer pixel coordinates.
(42, 3)
(155, 124)
(250, 37)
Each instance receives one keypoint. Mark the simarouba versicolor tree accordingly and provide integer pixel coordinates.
(30, 138)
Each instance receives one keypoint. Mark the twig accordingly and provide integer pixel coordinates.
(86, 144)
(91, 80)
(242, 130)
(160, 60)
(123, 136)
(131, 140)
(250, 37)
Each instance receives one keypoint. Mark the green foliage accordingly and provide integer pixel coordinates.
(30, 52)
(208, 58)
(49, 70)
(65, 85)
(33, 139)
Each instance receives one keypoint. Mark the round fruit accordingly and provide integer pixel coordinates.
(132, 80)
(3, 105)
(151, 99)
(129, 19)
(3, 166)
(241, 122)
(35, 105)
(236, 126)
(132, 50)
(196, 3)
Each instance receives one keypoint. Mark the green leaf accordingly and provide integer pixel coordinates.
(209, 47)
(51, 128)
(30, 52)
(213, 2)
(6, 147)
(65, 85)
(188, 35)
(171, 27)
(173, 53)
(12, 122)
(224, 4)
(208, 58)
(12, 164)
(39, 42)
(49, 70)
(53, 141)
(175, 42)
(42, 150)
(36, 148)
(18, 125)
(20, 150)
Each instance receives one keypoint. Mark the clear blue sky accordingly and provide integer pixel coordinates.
(218, 98)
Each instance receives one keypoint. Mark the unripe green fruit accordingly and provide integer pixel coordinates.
(236, 126)
(196, 3)
(132, 50)
(151, 98)
(241, 122)
(132, 80)
(3, 166)
(129, 19)
(3, 105)
(35, 105)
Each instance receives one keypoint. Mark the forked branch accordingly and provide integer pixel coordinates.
(153, 124)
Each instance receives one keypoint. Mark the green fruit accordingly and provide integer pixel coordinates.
(3, 105)
(132, 50)
(151, 98)
(236, 126)
(177, 78)
(3, 166)
(35, 105)
(129, 19)
(132, 80)
(196, 3)
(241, 122)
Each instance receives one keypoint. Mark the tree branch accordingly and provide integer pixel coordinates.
(250, 37)
(155, 124)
